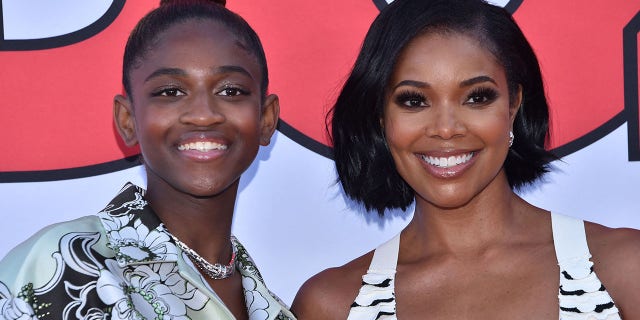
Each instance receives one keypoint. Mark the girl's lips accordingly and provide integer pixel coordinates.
(202, 152)
(202, 146)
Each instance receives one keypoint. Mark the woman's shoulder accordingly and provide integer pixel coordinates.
(330, 293)
(613, 245)
(616, 257)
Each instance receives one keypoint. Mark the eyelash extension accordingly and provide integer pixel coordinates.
(488, 94)
(403, 97)
(241, 91)
(160, 91)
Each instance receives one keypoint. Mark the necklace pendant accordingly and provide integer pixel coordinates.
(215, 271)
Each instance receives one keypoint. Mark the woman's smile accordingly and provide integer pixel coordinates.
(447, 165)
(447, 118)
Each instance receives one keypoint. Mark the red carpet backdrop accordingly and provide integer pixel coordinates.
(61, 157)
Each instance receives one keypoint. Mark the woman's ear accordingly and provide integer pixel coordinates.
(516, 105)
(124, 119)
(269, 118)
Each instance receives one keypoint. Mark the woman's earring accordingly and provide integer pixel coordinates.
(511, 137)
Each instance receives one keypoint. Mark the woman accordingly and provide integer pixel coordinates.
(445, 107)
(196, 103)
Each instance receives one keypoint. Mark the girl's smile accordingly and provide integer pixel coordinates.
(196, 109)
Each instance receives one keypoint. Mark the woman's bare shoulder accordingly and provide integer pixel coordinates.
(615, 246)
(330, 293)
(616, 257)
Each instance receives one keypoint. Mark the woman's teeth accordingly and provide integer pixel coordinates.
(447, 162)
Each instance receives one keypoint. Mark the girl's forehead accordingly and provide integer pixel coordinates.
(195, 27)
(198, 37)
(196, 44)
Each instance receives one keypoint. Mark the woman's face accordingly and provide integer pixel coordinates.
(447, 118)
(196, 109)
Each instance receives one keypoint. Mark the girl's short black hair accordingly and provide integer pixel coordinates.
(144, 36)
(364, 164)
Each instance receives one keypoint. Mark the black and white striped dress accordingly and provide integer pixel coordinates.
(581, 294)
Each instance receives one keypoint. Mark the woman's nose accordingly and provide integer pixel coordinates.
(446, 122)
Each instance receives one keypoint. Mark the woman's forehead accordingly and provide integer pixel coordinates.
(446, 51)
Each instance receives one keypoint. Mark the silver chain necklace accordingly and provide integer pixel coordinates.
(216, 271)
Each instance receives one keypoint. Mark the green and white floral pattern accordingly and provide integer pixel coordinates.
(124, 267)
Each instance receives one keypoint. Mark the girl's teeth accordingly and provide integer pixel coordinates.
(202, 146)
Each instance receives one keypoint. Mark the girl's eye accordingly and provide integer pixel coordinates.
(232, 92)
(411, 100)
(482, 96)
(168, 92)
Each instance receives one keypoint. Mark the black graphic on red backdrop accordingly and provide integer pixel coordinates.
(57, 92)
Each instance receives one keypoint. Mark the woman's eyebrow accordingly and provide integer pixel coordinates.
(412, 83)
(475, 80)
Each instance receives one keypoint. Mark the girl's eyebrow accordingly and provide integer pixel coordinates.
(166, 72)
(181, 72)
(232, 69)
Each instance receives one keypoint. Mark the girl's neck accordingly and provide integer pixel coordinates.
(202, 223)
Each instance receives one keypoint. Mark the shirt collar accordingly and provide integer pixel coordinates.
(134, 232)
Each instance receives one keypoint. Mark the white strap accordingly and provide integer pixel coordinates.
(385, 258)
(569, 238)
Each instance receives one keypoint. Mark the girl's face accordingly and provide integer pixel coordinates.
(196, 109)
(447, 119)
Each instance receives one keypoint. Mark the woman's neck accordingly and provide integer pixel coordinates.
(492, 217)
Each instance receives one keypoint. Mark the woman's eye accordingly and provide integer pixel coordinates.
(477, 99)
(411, 100)
(232, 92)
(168, 92)
(482, 96)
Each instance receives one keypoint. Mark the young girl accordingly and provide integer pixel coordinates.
(196, 103)
(445, 106)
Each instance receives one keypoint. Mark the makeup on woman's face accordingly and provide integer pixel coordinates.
(447, 118)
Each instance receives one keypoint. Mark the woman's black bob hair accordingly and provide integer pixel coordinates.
(364, 164)
(144, 36)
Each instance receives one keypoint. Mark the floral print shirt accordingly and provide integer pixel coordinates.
(120, 264)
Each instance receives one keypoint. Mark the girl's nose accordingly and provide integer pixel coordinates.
(202, 110)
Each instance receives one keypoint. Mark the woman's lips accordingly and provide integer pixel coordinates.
(447, 166)
(447, 162)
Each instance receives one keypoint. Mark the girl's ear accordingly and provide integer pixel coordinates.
(125, 120)
(269, 118)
